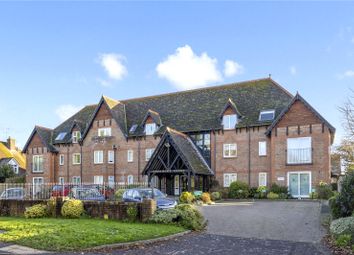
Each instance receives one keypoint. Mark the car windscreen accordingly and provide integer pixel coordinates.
(147, 193)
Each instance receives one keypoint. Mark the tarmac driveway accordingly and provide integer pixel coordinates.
(296, 221)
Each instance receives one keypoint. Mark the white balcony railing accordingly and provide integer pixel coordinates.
(299, 156)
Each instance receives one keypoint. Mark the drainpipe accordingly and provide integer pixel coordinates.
(67, 164)
(138, 160)
(114, 162)
(81, 162)
(249, 156)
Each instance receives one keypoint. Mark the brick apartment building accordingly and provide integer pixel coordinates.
(253, 131)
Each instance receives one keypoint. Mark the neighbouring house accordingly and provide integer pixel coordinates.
(253, 131)
(12, 156)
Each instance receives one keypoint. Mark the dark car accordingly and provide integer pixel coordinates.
(13, 193)
(86, 194)
(138, 194)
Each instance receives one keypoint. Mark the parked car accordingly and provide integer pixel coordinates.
(138, 194)
(105, 190)
(86, 194)
(13, 193)
(61, 190)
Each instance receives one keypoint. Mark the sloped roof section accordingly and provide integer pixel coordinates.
(46, 136)
(233, 106)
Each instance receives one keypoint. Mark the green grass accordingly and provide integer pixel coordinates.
(76, 234)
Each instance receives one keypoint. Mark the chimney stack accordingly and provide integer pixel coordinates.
(11, 143)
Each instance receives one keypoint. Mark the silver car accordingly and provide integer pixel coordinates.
(13, 193)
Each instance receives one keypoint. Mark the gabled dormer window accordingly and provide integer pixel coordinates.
(76, 136)
(150, 128)
(229, 121)
(266, 115)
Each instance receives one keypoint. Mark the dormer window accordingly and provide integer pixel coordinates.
(266, 115)
(229, 121)
(104, 132)
(60, 136)
(150, 128)
(76, 136)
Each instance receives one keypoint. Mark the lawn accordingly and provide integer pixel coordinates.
(75, 234)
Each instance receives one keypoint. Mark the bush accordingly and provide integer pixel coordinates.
(224, 192)
(206, 198)
(253, 192)
(313, 195)
(238, 189)
(186, 198)
(342, 205)
(215, 196)
(36, 211)
(118, 195)
(51, 206)
(132, 212)
(184, 215)
(277, 189)
(272, 195)
(72, 208)
(343, 240)
(262, 192)
(324, 190)
(343, 226)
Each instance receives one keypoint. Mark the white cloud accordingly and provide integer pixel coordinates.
(66, 111)
(113, 65)
(349, 73)
(104, 83)
(232, 68)
(293, 70)
(186, 70)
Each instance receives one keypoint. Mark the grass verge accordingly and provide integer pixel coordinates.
(76, 234)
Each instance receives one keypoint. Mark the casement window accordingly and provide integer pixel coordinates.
(150, 128)
(105, 131)
(76, 136)
(262, 179)
(266, 115)
(110, 157)
(130, 179)
(37, 164)
(61, 180)
(130, 156)
(229, 121)
(60, 136)
(299, 150)
(98, 157)
(76, 180)
(61, 159)
(98, 179)
(229, 178)
(230, 150)
(148, 154)
(262, 148)
(76, 159)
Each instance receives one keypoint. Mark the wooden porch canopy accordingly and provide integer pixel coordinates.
(176, 154)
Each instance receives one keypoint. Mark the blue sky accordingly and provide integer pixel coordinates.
(56, 57)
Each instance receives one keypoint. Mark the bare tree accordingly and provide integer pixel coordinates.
(348, 111)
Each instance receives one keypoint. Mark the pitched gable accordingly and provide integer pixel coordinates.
(40, 137)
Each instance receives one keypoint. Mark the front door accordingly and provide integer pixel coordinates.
(176, 185)
(299, 184)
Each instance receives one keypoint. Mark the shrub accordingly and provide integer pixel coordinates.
(324, 190)
(238, 189)
(224, 192)
(51, 206)
(186, 198)
(132, 212)
(262, 191)
(253, 192)
(206, 198)
(215, 196)
(342, 226)
(272, 195)
(277, 189)
(197, 195)
(118, 195)
(184, 215)
(343, 240)
(342, 205)
(72, 208)
(313, 195)
(36, 211)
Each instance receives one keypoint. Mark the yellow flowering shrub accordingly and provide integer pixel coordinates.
(72, 208)
(36, 211)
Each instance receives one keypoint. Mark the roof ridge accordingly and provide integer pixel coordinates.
(171, 130)
(41, 127)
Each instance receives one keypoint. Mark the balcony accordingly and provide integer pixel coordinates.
(299, 156)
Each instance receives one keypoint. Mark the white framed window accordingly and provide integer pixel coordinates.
(262, 148)
(299, 150)
(98, 179)
(98, 157)
(266, 115)
(148, 154)
(61, 159)
(150, 128)
(76, 159)
(15, 168)
(110, 157)
(105, 131)
(130, 156)
(229, 121)
(262, 179)
(37, 164)
(130, 179)
(230, 150)
(76, 136)
(61, 180)
(76, 180)
(229, 178)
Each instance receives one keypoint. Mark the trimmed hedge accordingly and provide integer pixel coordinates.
(72, 208)
(36, 211)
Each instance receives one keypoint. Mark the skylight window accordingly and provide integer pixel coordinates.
(60, 136)
(133, 128)
(266, 115)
